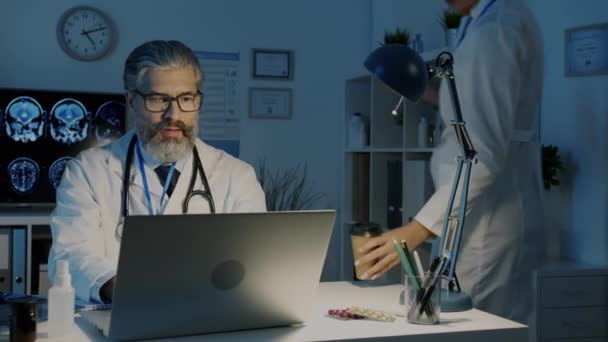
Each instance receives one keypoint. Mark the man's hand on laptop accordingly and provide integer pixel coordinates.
(107, 290)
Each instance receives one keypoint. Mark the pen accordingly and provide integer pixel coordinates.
(410, 259)
(418, 264)
(414, 310)
(424, 295)
(407, 267)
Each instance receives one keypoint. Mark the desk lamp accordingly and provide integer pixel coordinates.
(404, 71)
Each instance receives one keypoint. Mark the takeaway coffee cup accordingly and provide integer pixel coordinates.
(360, 233)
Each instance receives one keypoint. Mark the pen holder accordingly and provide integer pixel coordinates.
(422, 306)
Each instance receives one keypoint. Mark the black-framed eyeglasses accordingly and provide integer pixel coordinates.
(159, 103)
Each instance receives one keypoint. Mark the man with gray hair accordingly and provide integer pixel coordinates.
(141, 173)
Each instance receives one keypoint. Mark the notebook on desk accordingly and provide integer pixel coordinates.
(194, 274)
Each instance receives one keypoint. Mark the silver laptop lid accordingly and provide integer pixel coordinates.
(192, 274)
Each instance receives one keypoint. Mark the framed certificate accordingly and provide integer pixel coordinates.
(270, 103)
(586, 50)
(272, 64)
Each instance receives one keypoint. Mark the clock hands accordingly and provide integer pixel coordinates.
(101, 28)
(86, 33)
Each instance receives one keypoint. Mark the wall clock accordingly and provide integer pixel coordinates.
(86, 33)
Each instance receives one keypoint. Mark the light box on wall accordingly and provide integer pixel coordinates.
(40, 131)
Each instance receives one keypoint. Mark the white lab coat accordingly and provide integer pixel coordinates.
(88, 208)
(498, 73)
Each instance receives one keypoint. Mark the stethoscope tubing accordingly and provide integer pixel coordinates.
(197, 168)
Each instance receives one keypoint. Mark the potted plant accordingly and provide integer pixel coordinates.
(398, 36)
(450, 21)
(286, 189)
(551, 165)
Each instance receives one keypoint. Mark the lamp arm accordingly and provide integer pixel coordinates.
(462, 135)
(444, 68)
(453, 225)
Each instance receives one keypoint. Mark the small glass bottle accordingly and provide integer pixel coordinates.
(23, 320)
(357, 131)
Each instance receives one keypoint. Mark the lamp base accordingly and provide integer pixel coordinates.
(455, 301)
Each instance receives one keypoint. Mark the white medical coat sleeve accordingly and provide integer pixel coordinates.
(245, 195)
(96, 287)
(487, 75)
(76, 230)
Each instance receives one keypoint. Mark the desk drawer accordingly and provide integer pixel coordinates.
(574, 322)
(574, 291)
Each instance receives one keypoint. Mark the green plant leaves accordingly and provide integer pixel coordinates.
(398, 36)
(286, 189)
(551, 166)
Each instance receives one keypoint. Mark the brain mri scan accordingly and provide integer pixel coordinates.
(68, 121)
(24, 119)
(23, 174)
(108, 121)
(56, 171)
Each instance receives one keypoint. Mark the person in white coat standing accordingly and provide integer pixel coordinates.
(498, 67)
(163, 82)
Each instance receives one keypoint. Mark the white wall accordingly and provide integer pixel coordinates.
(330, 40)
(575, 118)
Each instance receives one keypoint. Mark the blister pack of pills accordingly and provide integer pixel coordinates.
(375, 315)
(342, 314)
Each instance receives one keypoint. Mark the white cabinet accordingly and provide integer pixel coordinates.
(387, 181)
(19, 229)
(572, 303)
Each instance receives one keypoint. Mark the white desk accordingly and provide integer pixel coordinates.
(470, 326)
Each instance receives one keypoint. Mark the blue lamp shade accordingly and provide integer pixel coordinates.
(400, 68)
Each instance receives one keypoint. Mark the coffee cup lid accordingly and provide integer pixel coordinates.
(365, 229)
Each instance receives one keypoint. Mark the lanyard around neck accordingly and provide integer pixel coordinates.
(485, 9)
(142, 170)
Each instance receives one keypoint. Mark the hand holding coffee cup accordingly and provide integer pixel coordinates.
(380, 250)
(360, 234)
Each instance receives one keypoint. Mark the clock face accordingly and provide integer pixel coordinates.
(86, 33)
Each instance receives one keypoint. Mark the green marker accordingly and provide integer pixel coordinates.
(410, 259)
(407, 267)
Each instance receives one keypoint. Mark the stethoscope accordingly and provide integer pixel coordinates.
(197, 168)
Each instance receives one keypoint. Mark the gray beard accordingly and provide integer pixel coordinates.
(165, 150)
(169, 151)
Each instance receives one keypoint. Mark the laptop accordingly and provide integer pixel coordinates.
(194, 274)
